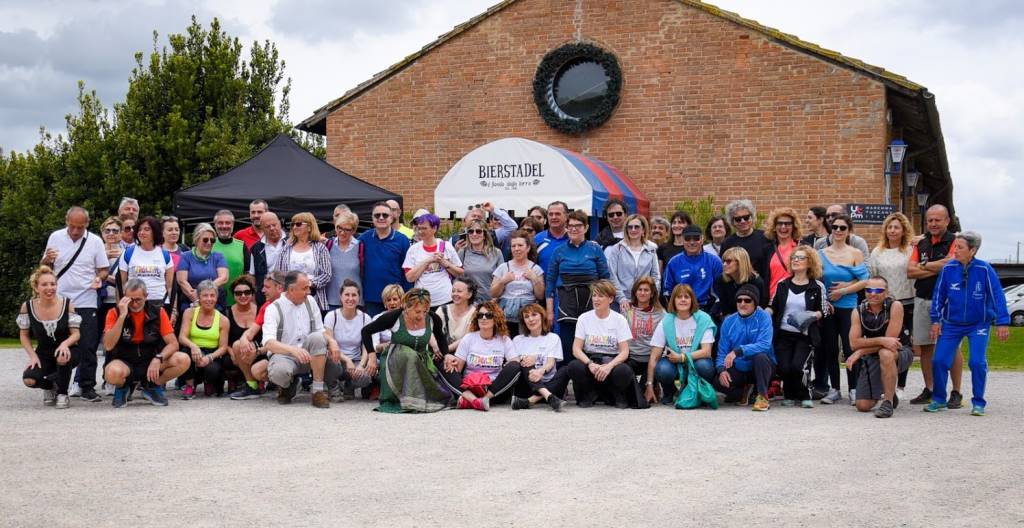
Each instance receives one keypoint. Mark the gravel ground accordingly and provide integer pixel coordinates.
(215, 462)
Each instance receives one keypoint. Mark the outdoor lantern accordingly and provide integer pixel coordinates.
(911, 179)
(897, 149)
(922, 199)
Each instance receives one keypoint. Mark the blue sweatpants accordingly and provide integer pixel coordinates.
(945, 350)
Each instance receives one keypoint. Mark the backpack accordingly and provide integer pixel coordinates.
(127, 257)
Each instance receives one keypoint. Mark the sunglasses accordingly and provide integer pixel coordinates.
(728, 261)
(484, 315)
(615, 214)
(783, 224)
(299, 224)
(744, 218)
(840, 227)
(691, 238)
(206, 240)
(831, 215)
(874, 291)
(798, 257)
(128, 228)
(744, 300)
(111, 231)
(168, 218)
(239, 293)
(528, 229)
(475, 231)
(381, 216)
(637, 227)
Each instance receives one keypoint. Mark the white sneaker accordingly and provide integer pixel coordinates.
(832, 397)
(75, 391)
(63, 401)
(49, 398)
(853, 396)
(108, 389)
(899, 393)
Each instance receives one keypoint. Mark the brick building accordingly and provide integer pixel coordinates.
(710, 103)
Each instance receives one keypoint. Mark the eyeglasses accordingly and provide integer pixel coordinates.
(783, 223)
(744, 218)
(691, 238)
(381, 216)
(744, 300)
(240, 293)
(636, 227)
(799, 258)
(344, 229)
(111, 231)
(484, 315)
(840, 227)
(615, 214)
(874, 291)
(574, 226)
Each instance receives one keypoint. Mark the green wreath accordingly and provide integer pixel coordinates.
(543, 87)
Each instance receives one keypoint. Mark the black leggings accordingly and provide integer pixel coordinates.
(507, 378)
(213, 374)
(835, 330)
(585, 385)
(50, 375)
(792, 351)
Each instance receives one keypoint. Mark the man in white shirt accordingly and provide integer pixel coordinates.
(80, 262)
(293, 334)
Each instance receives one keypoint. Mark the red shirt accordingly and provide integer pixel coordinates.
(249, 236)
(263, 310)
(138, 318)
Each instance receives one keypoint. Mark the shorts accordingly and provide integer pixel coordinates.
(869, 383)
(922, 322)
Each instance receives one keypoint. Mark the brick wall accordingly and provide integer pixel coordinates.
(707, 107)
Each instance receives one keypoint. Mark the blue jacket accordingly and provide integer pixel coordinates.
(698, 271)
(969, 296)
(383, 259)
(546, 246)
(585, 259)
(751, 334)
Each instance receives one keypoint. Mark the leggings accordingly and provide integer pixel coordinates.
(793, 352)
(585, 385)
(50, 375)
(835, 329)
(506, 379)
(213, 374)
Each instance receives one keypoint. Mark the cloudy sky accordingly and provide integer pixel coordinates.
(967, 53)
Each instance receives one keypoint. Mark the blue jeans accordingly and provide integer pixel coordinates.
(666, 373)
(945, 352)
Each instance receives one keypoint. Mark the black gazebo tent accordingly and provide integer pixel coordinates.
(289, 178)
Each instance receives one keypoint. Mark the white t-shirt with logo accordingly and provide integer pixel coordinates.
(150, 266)
(520, 287)
(601, 337)
(348, 332)
(685, 328)
(542, 347)
(485, 355)
(435, 278)
(76, 281)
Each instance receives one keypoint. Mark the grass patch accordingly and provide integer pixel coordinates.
(1006, 355)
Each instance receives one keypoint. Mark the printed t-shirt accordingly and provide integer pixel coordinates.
(602, 336)
(435, 278)
(543, 347)
(685, 328)
(150, 266)
(485, 355)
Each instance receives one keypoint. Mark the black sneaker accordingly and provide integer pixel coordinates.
(587, 402)
(90, 395)
(245, 393)
(519, 404)
(620, 401)
(923, 398)
(884, 409)
(895, 401)
(956, 400)
(556, 403)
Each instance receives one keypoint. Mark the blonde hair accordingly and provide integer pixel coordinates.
(743, 266)
(796, 233)
(391, 290)
(645, 233)
(908, 231)
(604, 287)
(488, 243)
(814, 271)
(314, 231)
(33, 280)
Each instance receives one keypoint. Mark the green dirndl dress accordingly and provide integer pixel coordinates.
(410, 382)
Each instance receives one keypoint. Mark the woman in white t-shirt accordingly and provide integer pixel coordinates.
(687, 321)
(601, 348)
(519, 281)
(486, 349)
(343, 328)
(431, 264)
(539, 350)
(148, 260)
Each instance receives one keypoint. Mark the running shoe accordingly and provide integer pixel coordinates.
(556, 403)
(621, 402)
(807, 404)
(49, 397)
(155, 395)
(75, 391)
(775, 390)
(935, 407)
(956, 400)
(899, 394)
(336, 394)
(519, 404)
(63, 401)
(833, 396)
(481, 404)
(923, 398)
(463, 404)
(884, 409)
(977, 410)
(788, 403)
(188, 392)
(90, 395)
(120, 397)
(761, 404)
(853, 396)
(245, 393)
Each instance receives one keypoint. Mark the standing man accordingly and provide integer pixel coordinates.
(128, 208)
(742, 216)
(252, 234)
(856, 241)
(384, 251)
(396, 219)
(80, 262)
(293, 335)
(265, 250)
(554, 236)
(615, 213)
(235, 253)
(693, 266)
(968, 298)
(930, 255)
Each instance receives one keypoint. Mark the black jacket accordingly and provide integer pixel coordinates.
(816, 302)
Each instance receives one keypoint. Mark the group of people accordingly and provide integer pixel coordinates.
(648, 311)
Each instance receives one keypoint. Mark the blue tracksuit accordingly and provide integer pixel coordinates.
(569, 259)
(699, 271)
(966, 301)
(752, 334)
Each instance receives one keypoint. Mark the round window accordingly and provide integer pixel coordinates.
(577, 87)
